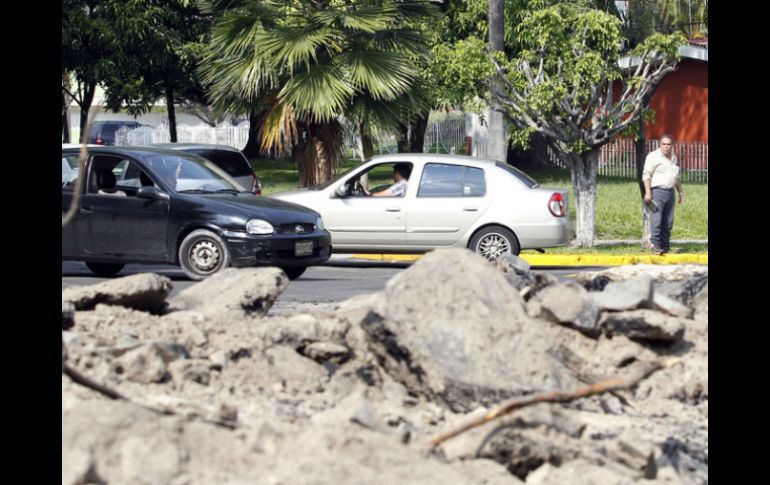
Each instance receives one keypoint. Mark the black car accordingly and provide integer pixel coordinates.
(103, 132)
(229, 159)
(152, 205)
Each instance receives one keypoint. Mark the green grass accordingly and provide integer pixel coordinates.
(618, 202)
(618, 206)
(281, 175)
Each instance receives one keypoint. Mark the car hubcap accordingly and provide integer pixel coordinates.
(492, 246)
(205, 255)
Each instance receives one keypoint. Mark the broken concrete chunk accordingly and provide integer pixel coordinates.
(643, 325)
(626, 295)
(144, 291)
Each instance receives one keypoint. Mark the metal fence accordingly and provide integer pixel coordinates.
(445, 133)
(618, 159)
(223, 134)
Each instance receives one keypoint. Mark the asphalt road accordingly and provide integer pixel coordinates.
(319, 286)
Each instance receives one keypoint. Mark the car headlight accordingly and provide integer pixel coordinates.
(319, 224)
(259, 226)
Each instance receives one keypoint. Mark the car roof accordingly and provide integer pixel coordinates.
(433, 157)
(127, 150)
(78, 145)
(193, 146)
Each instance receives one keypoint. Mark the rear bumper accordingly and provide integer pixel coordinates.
(544, 235)
(278, 250)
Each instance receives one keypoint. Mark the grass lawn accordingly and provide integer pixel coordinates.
(618, 202)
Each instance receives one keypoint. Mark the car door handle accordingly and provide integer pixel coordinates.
(470, 209)
(393, 209)
(86, 209)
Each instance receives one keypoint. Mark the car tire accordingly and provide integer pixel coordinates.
(294, 273)
(203, 253)
(494, 241)
(105, 269)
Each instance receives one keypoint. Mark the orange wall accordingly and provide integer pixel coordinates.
(681, 104)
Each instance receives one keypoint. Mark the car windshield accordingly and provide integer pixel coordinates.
(191, 174)
(334, 179)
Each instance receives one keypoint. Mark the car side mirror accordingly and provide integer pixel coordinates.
(151, 193)
(343, 190)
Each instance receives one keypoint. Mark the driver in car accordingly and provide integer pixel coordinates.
(401, 172)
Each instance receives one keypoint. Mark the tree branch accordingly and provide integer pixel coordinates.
(556, 396)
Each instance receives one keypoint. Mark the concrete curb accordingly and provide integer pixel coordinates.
(570, 259)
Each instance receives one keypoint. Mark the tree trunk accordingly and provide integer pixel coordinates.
(402, 138)
(85, 107)
(252, 148)
(320, 154)
(171, 113)
(65, 122)
(641, 152)
(496, 133)
(419, 127)
(367, 142)
(583, 173)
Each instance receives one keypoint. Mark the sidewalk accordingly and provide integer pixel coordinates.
(566, 259)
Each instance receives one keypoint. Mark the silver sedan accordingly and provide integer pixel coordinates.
(449, 201)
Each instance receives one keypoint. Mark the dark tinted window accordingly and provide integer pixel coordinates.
(526, 179)
(439, 180)
(234, 163)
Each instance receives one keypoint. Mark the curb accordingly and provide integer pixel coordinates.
(570, 259)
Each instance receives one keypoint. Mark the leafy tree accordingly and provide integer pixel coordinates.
(87, 53)
(561, 85)
(642, 18)
(308, 63)
(158, 46)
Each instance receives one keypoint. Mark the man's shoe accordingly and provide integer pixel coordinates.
(656, 250)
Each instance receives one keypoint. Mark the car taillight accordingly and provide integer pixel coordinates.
(558, 204)
(99, 140)
(256, 186)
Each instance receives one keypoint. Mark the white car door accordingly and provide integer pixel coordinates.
(366, 222)
(448, 201)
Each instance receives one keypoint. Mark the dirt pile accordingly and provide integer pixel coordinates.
(217, 392)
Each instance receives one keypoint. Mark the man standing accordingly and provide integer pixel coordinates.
(660, 175)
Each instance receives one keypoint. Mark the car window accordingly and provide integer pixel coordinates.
(69, 170)
(523, 177)
(191, 173)
(116, 165)
(233, 163)
(442, 180)
(134, 177)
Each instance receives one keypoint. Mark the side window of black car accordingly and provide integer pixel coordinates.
(69, 171)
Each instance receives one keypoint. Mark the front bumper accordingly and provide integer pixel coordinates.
(277, 250)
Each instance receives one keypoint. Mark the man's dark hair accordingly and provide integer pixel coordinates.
(405, 169)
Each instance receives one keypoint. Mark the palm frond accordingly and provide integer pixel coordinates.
(293, 46)
(417, 9)
(318, 93)
(384, 74)
(279, 128)
(367, 19)
(403, 40)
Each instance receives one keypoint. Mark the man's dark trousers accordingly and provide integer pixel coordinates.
(662, 221)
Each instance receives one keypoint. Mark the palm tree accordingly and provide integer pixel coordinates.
(309, 62)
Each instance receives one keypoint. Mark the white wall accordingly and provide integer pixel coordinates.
(153, 118)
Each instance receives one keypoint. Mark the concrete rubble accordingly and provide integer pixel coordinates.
(218, 392)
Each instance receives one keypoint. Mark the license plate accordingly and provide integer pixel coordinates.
(303, 248)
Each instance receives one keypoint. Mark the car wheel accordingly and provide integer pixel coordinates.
(294, 273)
(494, 241)
(105, 269)
(203, 253)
